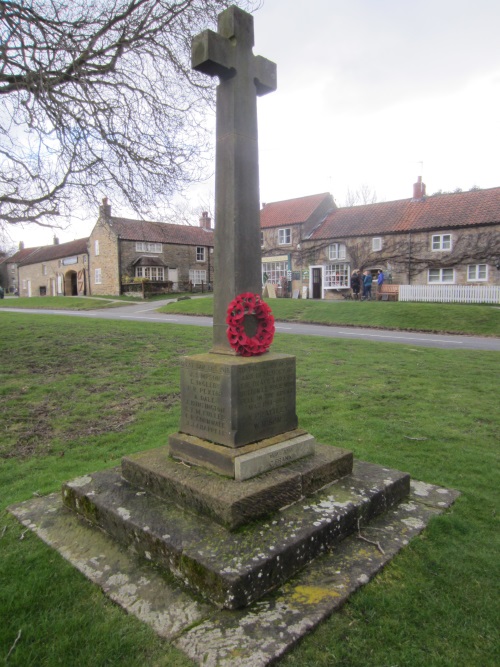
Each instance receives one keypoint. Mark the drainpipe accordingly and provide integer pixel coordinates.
(409, 258)
(120, 266)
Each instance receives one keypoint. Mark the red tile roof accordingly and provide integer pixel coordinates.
(291, 211)
(464, 209)
(56, 251)
(21, 255)
(161, 232)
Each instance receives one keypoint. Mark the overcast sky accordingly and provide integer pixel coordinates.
(367, 91)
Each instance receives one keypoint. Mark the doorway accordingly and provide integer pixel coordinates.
(70, 284)
(317, 282)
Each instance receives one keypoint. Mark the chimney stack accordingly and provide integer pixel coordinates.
(418, 190)
(56, 240)
(105, 209)
(205, 221)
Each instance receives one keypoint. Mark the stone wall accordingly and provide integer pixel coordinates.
(406, 258)
(173, 256)
(57, 277)
(103, 259)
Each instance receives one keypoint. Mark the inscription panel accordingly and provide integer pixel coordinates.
(235, 401)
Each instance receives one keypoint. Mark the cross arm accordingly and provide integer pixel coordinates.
(265, 76)
(211, 54)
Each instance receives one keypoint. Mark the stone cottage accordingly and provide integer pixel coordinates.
(122, 249)
(54, 270)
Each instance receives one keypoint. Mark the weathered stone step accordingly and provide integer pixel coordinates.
(233, 569)
(232, 503)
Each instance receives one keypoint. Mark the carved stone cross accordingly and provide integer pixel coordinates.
(237, 257)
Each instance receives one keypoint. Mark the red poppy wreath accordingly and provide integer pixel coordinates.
(243, 305)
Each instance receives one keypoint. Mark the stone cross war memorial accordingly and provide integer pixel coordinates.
(242, 506)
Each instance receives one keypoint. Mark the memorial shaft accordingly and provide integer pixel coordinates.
(237, 256)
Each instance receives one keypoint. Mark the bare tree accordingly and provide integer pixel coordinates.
(97, 97)
(362, 195)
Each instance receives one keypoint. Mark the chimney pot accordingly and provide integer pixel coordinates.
(419, 190)
(21, 245)
(56, 240)
(205, 221)
(105, 209)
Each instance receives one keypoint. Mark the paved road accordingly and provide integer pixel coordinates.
(148, 313)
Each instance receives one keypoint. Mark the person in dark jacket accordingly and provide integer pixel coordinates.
(355, 284)
(380, 278)
(367, 285)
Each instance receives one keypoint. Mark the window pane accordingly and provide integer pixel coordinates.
(481, 272)
(274, 271)
(336, 275)
(447, 275)
(434, 275)
(446, 242)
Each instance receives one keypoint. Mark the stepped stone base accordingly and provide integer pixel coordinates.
(234, 569)
(229, 502)
(263, 632)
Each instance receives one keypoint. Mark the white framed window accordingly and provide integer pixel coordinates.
(44, 269)
(142, 246)
(284, 236)
(441, 241)
(200, 254)
(24, 284)
(96, 247)
(336, 275)
(336, 251)
(274, 271)
(477, 272)
(150, 272)
(98, 277)
(197, 276)
(376, 243)
(441, 276)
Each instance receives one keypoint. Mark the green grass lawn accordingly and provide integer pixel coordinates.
(62, 302)
(76, 396)
(443, 317)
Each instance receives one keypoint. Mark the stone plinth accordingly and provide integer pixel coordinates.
(229, 502)
(235, 401)
(224, 460)
(233, 569)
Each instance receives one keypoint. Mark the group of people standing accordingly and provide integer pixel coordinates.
(363, 281)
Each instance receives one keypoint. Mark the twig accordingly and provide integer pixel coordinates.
(13, 645)
(365, 539)
(23, 534)
(3, 531)
(408, 438)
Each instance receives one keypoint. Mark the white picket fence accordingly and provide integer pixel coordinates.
(450, 293)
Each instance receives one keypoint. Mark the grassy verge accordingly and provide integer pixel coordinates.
(102, 389)
(59, 303)
(433, 317)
